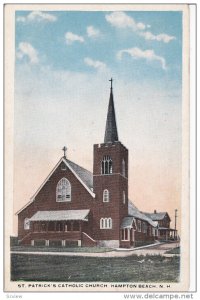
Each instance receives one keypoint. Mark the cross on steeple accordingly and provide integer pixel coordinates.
(64, 150)
(111, 80)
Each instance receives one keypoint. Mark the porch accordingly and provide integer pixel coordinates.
(166, 234)
(58, 228)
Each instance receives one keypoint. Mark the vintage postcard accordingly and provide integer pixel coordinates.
(96, 148)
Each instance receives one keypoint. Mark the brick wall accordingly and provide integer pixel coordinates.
(46, 198)
(116, 183)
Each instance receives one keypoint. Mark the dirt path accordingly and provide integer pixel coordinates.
(159, 249)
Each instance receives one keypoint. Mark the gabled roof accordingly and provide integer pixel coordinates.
(84, 176)
(61, 215)
(158, 216)
(127, 222)
(134, 211)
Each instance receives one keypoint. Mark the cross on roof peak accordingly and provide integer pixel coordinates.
(64, 150)
(111, 81)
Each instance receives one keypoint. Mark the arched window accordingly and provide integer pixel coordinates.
(63, 191)
(109, 225)
(105, 223)
(106, 165)
(102, 223)
(105, 196)
(124, 197)
(26, 224)
(123, 168)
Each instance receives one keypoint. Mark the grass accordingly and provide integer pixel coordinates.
(83, 269)
(59, 249)
(174, 251)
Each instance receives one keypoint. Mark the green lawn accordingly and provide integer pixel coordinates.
(60, 249)
(174, 251)
(82, 269)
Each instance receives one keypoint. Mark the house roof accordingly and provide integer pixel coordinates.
(60, 215)
(134, 211)
(158, 216)
(127, 222)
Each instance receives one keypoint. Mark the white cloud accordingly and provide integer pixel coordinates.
(99, 65)
(27, 50)
(160, 37)
(37, 16)
(71, 37)
(137, 53)
(122, 20)
(92, 32)
(141, 26)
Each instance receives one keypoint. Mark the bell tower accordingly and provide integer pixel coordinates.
(110, 182)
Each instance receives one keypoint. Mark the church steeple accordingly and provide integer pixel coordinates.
(111, 134)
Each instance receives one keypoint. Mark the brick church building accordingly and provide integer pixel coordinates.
(74, 207)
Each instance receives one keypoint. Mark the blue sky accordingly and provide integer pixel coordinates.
(47, 37)
(64, 60)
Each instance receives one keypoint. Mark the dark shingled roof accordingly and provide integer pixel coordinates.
(156, 216)
(111, 134)
(134, 211)
(127, 222)
(85, 175)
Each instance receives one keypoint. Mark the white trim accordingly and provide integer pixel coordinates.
(89, 237)
(47, 178)
(106, 223)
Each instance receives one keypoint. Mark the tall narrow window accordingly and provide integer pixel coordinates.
(125, 234)
(139, 223)
(63, 191)
(144, 227)
(102, 223)
(26, 224)
(106, 165)
(105, 196)
(124, 197)
(109, 225)
(123, 168)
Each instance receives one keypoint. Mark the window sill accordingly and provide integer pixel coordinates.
(63, 200)
(105, 228)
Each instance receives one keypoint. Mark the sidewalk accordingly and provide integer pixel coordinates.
(158, 249)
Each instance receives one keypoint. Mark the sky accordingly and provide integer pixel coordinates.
(63, 63)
